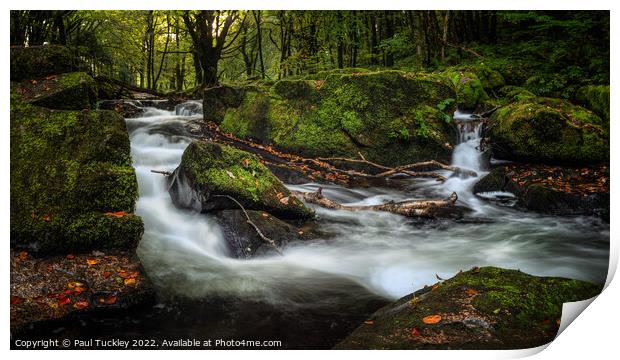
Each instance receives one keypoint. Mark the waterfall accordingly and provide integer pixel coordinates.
(367, 253)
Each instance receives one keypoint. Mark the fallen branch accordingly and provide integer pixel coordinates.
(465, 49)
(249, 221)
(409, 208)
(163, 172)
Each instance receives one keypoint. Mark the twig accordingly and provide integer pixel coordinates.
(163, 172)
(249, 221)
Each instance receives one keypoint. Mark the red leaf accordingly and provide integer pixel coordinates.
(70, 256)
(415, 332)
(81, 304)
(16, 300)
(64, 301)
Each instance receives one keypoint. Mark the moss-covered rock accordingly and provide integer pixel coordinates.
(107, 90)
(469, 89)
(391, 117)
(484, 308)
(549, 131)
(219, 98)
(595, 98)
(512, 93)
(70, 91)
(68, 169)
(38, 61)
(209, 171)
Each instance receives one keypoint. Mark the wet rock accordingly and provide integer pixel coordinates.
(72, 184)
(550, 131)
(127, 109)
(35, 62)
(209, 172)
(69, 91)
(55, 289)
(243, 240)
(391, 117)
(484, 308)
(551, 190)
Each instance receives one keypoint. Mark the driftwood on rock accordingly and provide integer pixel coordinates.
(409, 208)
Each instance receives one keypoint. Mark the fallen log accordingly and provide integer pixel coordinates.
(409, 208)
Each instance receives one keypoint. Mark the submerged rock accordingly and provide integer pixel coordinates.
(34, 62)
(69, 91)
(550, 131)
(72, 184)
(208, 172)
(484, 308)
(243, 240)
(390, 117)
(552, 190)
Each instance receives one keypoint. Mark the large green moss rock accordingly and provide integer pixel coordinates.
(38, 61)
(390, 117)
(208, 172)
(68, 169)
(595, 98)
(484, 308)
(70, 91)
(469, 88)
(546, 130)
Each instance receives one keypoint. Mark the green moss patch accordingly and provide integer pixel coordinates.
(549, 131)
(38, 61)
(484, 308)
(68, 169)
(596, 98)
(211, 169)
(70, 91)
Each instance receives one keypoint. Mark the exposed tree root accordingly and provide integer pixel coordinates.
(410, 208)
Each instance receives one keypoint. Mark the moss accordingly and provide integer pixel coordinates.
(549, 131)
(64, 165)
(515, 93)
(38, 61)
(390, 116)
(595, 98)
(506, 309)
(215, 169)
(468, 87)
(323, 75)
(70, 91)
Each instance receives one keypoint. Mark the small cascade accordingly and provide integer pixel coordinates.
(467, 153)
(189, 108)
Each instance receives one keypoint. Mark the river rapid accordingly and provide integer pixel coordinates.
(318, 291)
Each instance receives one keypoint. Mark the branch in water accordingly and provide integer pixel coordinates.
(163, 172)
(249, 221)
(409, 208)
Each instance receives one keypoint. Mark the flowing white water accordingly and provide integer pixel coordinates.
(370, 252)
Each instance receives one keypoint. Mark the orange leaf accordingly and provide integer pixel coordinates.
(284, 200)
(107, 274)
(64, 301)
(123, 274)
(415, 332)
(23, 255)
(81, 304)
(471, 292)
(131, 281)
(431, 319)
(369, 322)
(78, 290)
(16, 300)
(91, 262)
(111, 300)
(118, 214)
(435, 287)
(46, 218)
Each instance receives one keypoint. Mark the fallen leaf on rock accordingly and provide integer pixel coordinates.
(91, 262)
(265, 215)
(231, 175)
(415, 332)
(78, 290)
(81, 304)
(23, 255)
(300, 232)
(118, 214)
(471, 292)
(64, 301)
(369, 322)
(129, 282)
(431, 319)
(16, 300)
(246, 162)
(435, 287)
(284, 200)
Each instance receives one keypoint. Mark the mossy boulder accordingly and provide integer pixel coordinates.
(72, 184)
(511, 93)
(108, 90)
(208, 172)
(35, 62)
(469, 89)
(484, 308)
(391, 117)
(551, 131)
(551, 190)
(70, 91)
(219, 98)
(595, 98)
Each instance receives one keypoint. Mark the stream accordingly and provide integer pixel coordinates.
(318, 291)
